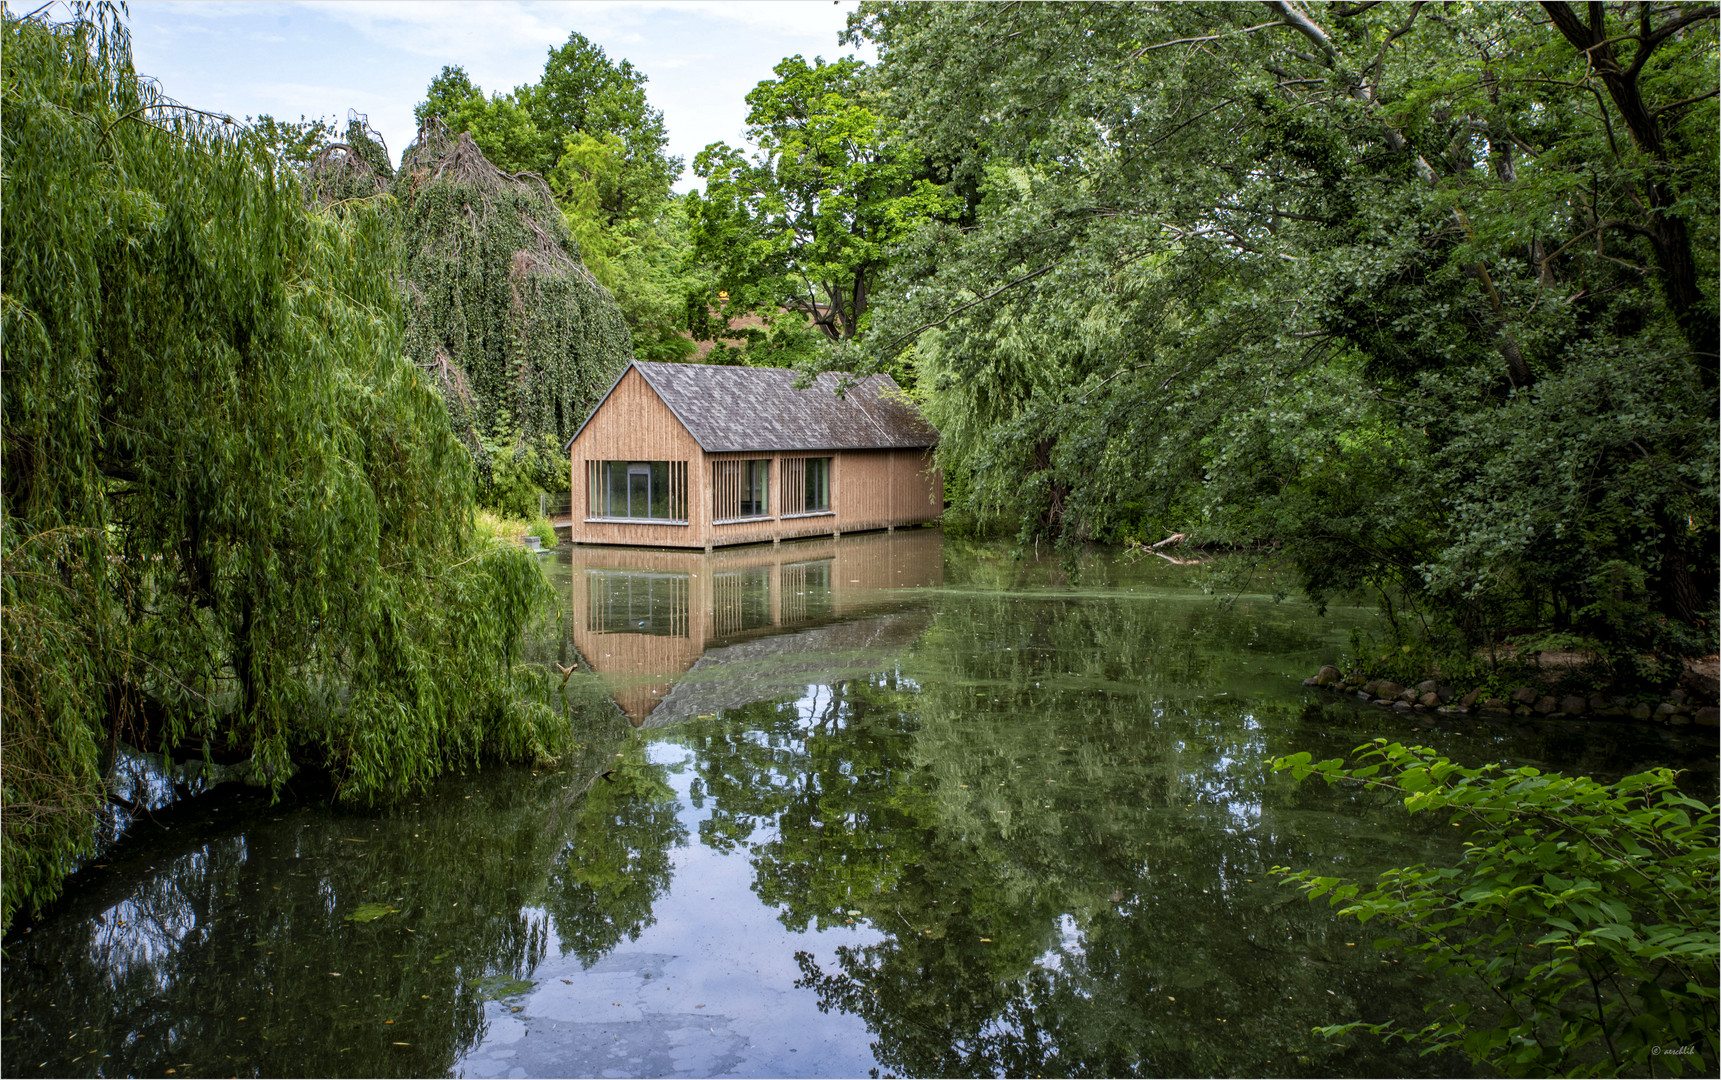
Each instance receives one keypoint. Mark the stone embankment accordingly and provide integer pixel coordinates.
(1680, 707)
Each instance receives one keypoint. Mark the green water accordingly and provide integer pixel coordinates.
(891, 805)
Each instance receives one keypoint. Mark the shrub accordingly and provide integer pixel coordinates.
(1585, 913)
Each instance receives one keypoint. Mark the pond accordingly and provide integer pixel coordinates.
(886, 805)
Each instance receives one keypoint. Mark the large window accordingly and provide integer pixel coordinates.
(740, 489)
(806, 485)
(637, 490)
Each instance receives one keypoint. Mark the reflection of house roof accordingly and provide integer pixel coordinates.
(784, 664)
(729, 409)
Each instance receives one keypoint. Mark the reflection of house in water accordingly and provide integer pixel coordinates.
(643, 617)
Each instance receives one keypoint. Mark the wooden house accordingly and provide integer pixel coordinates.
(698, 456)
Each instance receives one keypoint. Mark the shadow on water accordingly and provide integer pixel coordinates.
(881, 804)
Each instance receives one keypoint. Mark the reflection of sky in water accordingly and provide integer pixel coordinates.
(994, 822)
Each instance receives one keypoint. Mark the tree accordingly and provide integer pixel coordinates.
(643, 259)
(585, 95)
(587, 128)
(808, 223)
(501, 311)
(292, 142)
(1384, 286)
(501, 125)
(236, 523)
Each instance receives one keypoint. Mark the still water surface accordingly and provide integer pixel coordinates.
(887, 805)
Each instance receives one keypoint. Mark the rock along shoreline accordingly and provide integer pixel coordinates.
(1680, 708)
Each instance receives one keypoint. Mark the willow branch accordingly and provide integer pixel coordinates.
(923, 327)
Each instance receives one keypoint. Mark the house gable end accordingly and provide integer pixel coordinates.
(634, 369)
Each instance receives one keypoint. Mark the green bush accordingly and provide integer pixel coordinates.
(543, 530)
(511, 489)
(1584, 914)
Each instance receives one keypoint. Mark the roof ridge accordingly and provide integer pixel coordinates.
(734, 409)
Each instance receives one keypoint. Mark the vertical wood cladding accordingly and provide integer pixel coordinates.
(633, 424)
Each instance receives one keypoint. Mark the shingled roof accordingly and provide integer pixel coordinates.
(730, 409)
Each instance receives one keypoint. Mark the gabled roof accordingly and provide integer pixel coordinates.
(730, 409)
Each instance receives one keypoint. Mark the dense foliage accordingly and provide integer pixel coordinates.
(802, 230)
(586, 127)
(1422, 294)
(1583, 912)
(236, 522)
(501, 311)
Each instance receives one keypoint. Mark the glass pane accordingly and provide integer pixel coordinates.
(617, 486)
(660, 489)
(639, 490)
(819, 483)
(761, 476)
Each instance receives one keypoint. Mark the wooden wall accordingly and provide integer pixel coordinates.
(878, 489)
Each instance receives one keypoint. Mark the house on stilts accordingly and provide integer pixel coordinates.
(699, 456)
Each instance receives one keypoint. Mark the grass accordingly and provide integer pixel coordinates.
(508, 530)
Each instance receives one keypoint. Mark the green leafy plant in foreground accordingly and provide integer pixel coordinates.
(1586, 910)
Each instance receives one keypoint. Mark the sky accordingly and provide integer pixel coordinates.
(287, 59)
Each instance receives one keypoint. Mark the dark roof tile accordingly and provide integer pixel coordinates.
(730, 409)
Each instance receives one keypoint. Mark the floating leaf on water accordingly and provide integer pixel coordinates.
(370, 912)
(501, 987)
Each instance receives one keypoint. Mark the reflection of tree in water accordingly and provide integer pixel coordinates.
(237, 955)
(605, 881)
(1070, 872)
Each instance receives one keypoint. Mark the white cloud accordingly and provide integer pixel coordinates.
(700, 57)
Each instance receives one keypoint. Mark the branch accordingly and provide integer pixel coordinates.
(923, 327)
(1686, 101)
(1380, 57)
(1145, 49)
(1609, 223)
(1121, 371)
(1304, 26)
(1650, 41)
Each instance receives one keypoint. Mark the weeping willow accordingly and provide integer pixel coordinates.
(519, 335)
(236, 523)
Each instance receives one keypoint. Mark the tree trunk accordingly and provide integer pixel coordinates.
(1668, 234)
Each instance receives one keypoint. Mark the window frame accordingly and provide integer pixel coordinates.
(796, 473)
(664, 479)
(732, 480)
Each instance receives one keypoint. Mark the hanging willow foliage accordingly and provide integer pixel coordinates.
(519, 335)
(236, 522)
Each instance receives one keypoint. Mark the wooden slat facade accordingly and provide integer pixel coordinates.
(868, 488)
